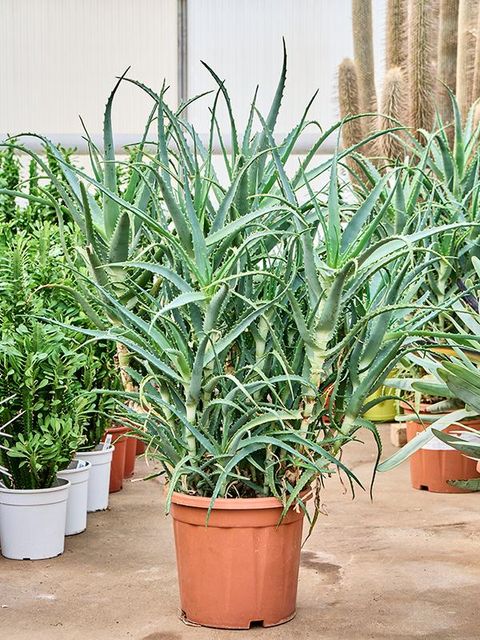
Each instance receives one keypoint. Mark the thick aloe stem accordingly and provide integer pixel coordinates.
(467, 20)
(447, 56)
(123, 356)
(363, 56)
(392, 110)
(420, 77)
(396, 35)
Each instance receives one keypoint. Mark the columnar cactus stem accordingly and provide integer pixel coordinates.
(396, 34)
(467, 19)
(392, 110)
(363, 55)
(476, 66)
(447, 56)
(348, 98)
(420, 77)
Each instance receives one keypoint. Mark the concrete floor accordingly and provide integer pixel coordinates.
(405, 566)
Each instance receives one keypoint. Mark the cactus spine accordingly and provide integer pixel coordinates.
(349, 102)
(396, 41)
(467, 18)
(420, 77)
(447, 56)
(392, 107)
(476, 72)
(363, 54)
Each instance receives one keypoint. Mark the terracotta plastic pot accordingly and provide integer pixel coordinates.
(117, 470)
(435, 464)
(141, 447)
(130, 453)
(241, 569)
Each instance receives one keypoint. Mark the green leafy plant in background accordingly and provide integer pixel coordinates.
(45, 409)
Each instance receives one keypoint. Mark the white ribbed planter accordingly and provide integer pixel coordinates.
(32, 521)
(99, 479)
(77, 473)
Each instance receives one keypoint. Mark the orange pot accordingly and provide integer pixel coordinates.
(242, 568)
(431, 468)
(117, 469)
(130, 453)
(141, 447)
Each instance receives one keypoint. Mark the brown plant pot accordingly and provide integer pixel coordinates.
(130, 453)
(241, 569)
(117, 470)
(431, 469)
(141, 447)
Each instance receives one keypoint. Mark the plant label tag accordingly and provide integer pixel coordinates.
(108, 441)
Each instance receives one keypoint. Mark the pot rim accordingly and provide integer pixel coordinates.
(117, 429)
(238, 504)
(59, 485)
(95, 452)
(77, 469)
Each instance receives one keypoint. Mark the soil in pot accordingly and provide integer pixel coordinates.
(32, 521)
(77, 472)
(130, 455)
(117, 470)
(435, 464)
(242, 569)
(99, 478)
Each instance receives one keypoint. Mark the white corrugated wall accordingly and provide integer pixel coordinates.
(59, 58)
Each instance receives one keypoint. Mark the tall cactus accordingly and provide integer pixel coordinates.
(447, 56)
(467, 20)
(396, 34)
(363, 54)
(349, 102)
(420, 77)
(392, 110)
(434, 43)
(476, 72)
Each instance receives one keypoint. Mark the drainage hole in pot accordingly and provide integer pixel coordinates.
(423, 487)
(256, 623)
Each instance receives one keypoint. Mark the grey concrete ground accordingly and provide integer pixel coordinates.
(405, 566)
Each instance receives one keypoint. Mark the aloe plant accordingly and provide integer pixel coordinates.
(452, 362)
(256, 316)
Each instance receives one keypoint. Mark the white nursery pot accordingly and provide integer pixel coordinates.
(78, 473)
(32, 521)
(99, 478)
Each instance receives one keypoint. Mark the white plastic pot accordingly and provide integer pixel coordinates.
(78, 473)
(32, 521)
(99, 479)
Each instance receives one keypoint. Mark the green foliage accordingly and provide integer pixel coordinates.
(259, 313)
(33, 461)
